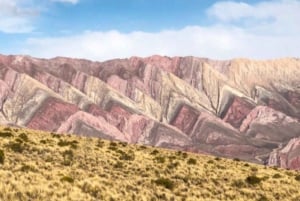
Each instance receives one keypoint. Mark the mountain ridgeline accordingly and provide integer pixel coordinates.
(240, 108)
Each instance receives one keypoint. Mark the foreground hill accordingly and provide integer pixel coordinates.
(240, 108)
(46, 166)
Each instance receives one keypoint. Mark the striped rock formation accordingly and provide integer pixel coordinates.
(239, 108)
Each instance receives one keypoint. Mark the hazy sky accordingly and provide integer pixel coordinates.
(106, 29)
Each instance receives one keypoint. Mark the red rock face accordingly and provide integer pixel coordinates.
(51, 114)
(185, 119)
(288, 156)
(237, 112)
(160, 101)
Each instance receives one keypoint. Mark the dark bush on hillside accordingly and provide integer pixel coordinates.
(5, 134)
(253, 180)
(2, 157)
(276, 176)
(17, 146)
(297, 178)
(24, 137)
(160, 159)
(238, 183)
(192, 161)
(127, 156)
(26, 168)
(100, 143)
(154, 152)
(68, 157)
(67, 179)
(72, 144)
(167, 183)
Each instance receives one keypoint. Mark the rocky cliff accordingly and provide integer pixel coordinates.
(239, 108)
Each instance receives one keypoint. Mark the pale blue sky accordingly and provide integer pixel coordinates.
(104, 29)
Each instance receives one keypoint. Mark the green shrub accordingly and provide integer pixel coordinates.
(118, 165)
(2, 156)
(113, 144)
(263, 198)
(154, 152)
(100, 143)
(72, 144)
(192, 161)
(68, 157)
(124, 144)
(17, 147)
(143, 147)
(127, 156)
(254, 169)
(218, 158)
(276, 176)
(26, 168)
(167, 183)
(210, 162)
(297, 177)
(173, 165)
(24, 137)
(253, 180)
(56, 135)
(5, 134)
(238, 183)
(160, 159)
(67, 179)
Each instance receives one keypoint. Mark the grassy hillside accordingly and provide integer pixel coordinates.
(42, 166)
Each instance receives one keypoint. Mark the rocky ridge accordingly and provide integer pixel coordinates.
(240, 108)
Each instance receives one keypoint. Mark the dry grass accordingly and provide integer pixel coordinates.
(44, 166)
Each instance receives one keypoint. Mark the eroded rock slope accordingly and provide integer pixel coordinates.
(239, 108)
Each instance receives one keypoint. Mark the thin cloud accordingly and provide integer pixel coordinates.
(16, 16)
(67, 1)
(267, 29)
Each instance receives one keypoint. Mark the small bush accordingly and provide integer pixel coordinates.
(17, 147)
(2, 157)
(297, 178)
(118, 165)
(236, 159)
(154, 152)
(68, 157)
(67, 179)
(26, 168)
(6, 134)
(24, 137)
(210, 162)
(276, 176)
(184, 155)
(263, 198)
(113, 144)
(167, 183)
(192, 161)
(124, 144)
(100, 143)
(72, 144)
(173, 165)
(254, 169)
(160, 159)
(127, 156)
(218, 158)
(253, 180)
(56, 135)
(238, 183)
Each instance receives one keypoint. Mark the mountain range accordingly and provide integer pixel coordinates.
(240, 108)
